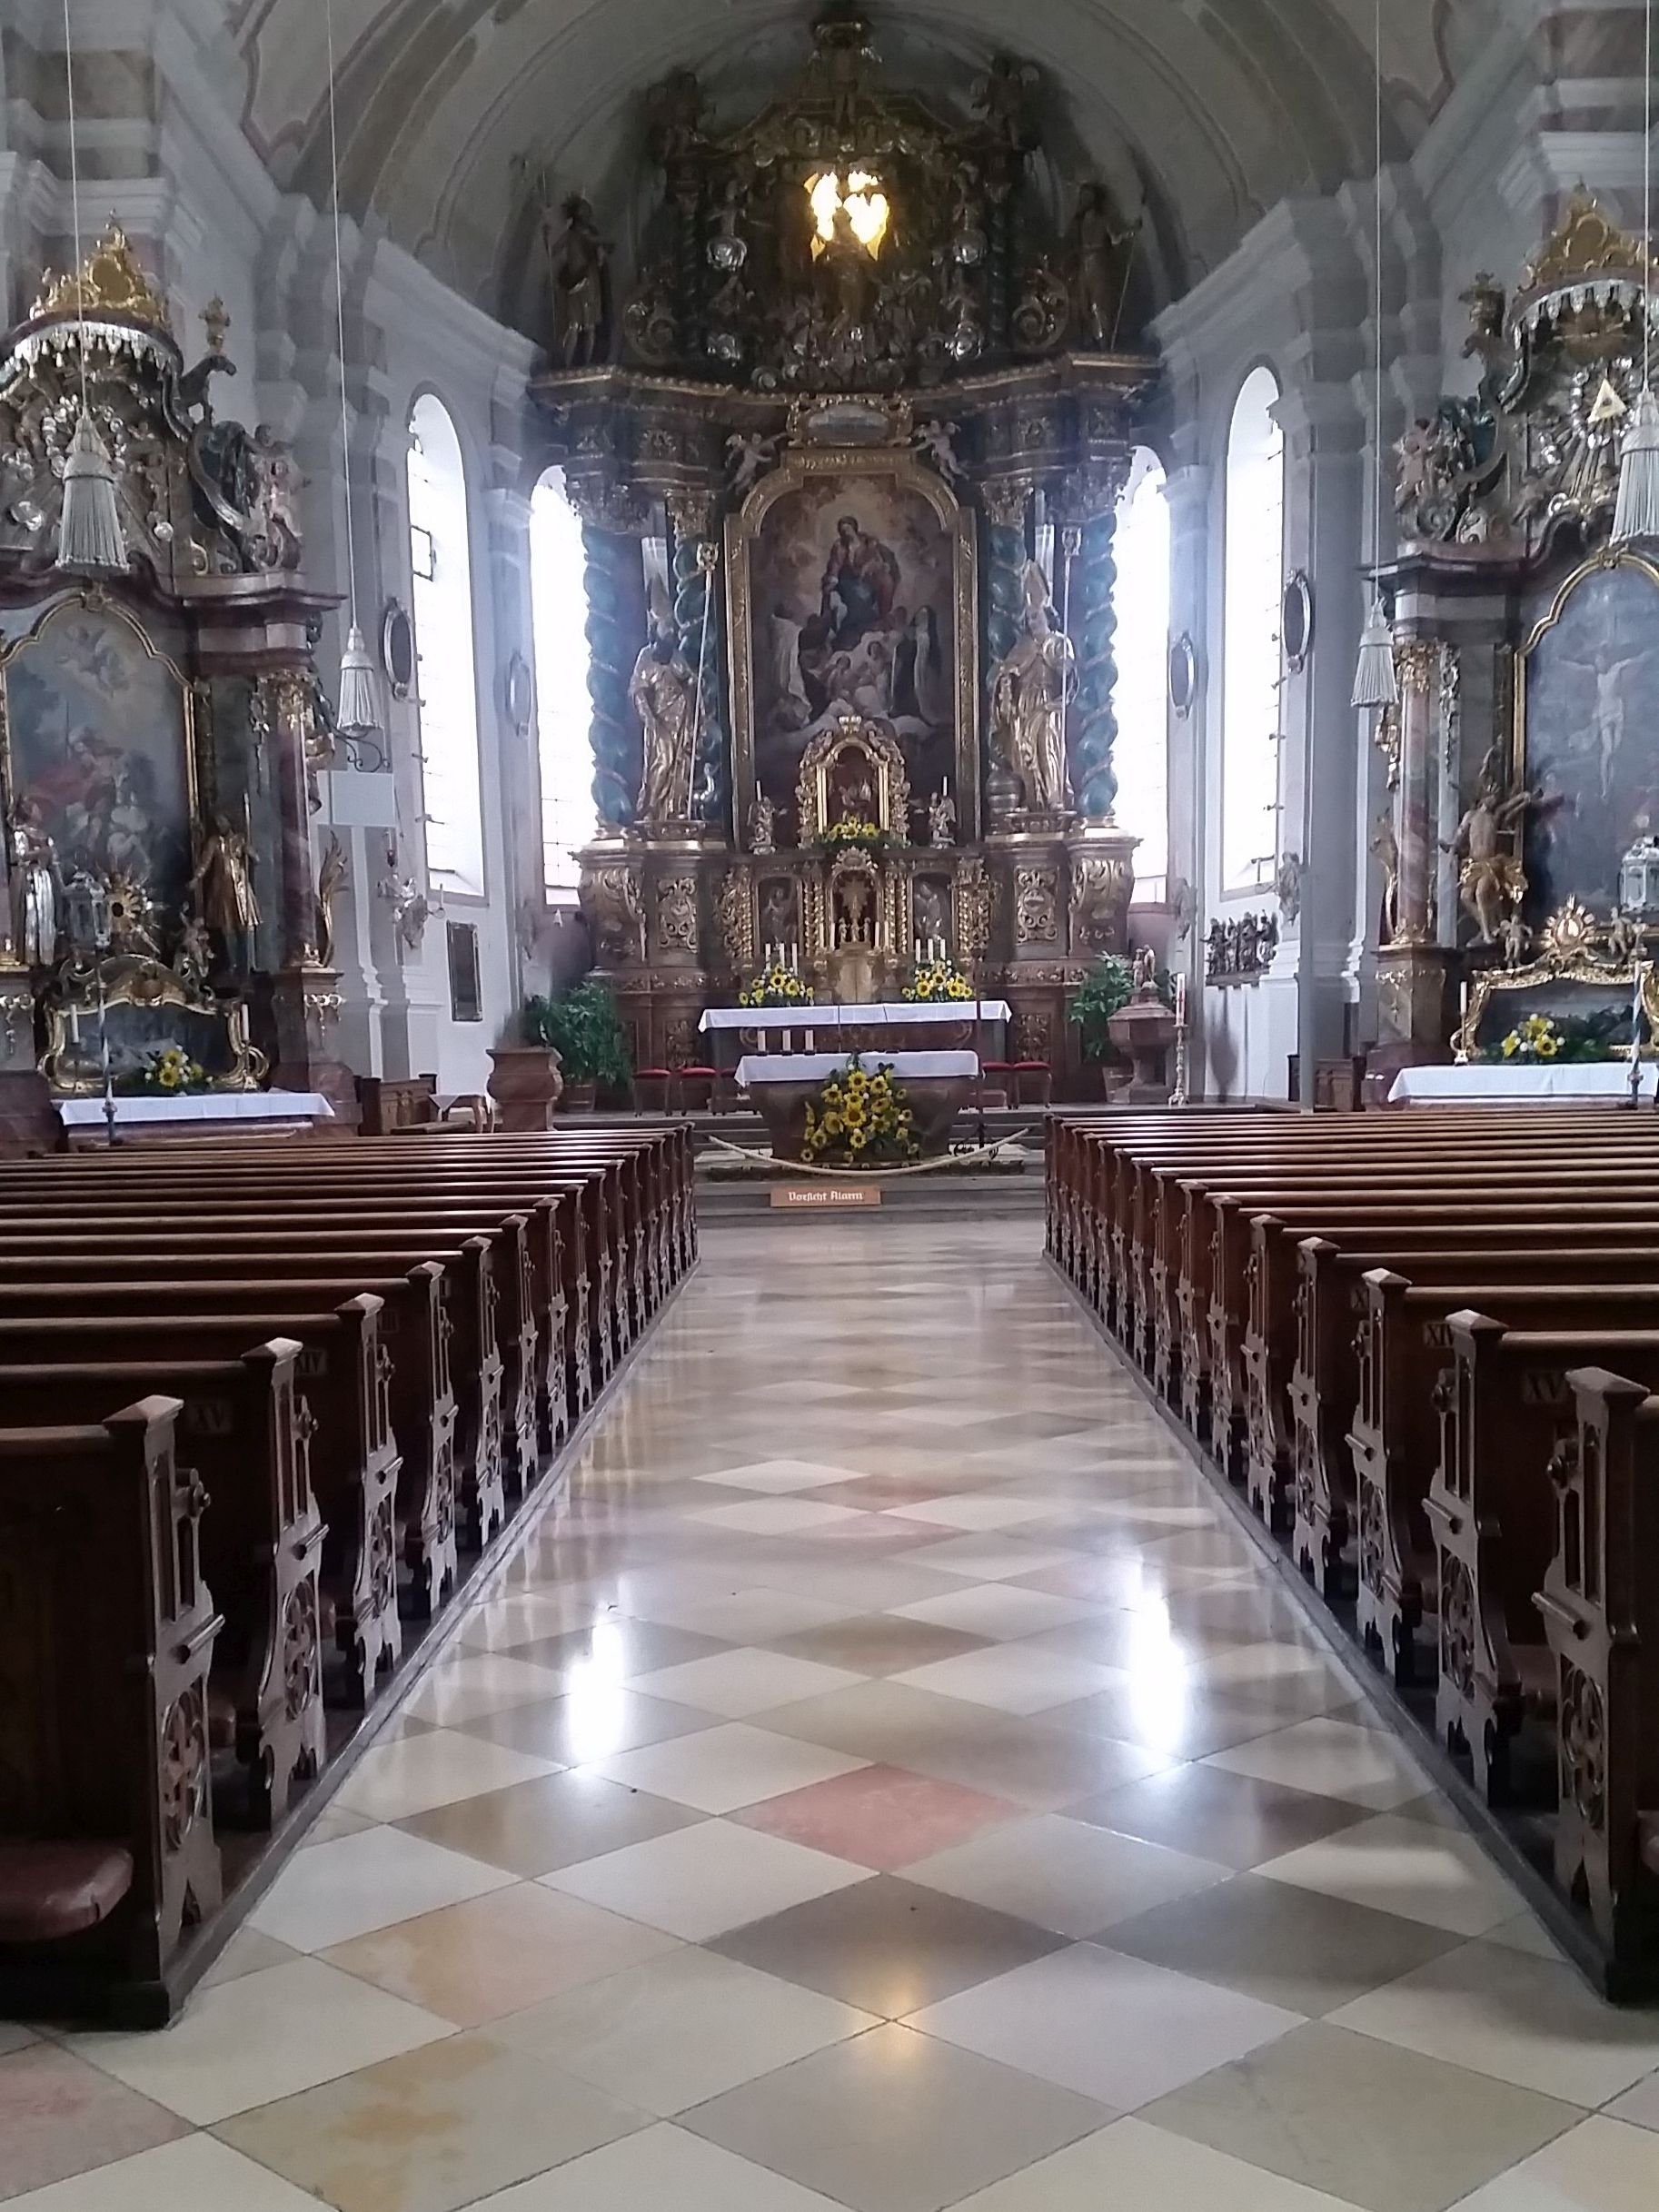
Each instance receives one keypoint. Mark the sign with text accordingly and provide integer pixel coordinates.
(825, 1197)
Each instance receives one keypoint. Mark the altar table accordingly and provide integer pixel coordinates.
(782, 1085)
(887, 1015)
(152, 1119)
(1488, 1083)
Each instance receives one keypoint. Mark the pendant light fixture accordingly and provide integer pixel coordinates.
(1637, 515)
(358, 715)
(90, 539)
(1374, 682)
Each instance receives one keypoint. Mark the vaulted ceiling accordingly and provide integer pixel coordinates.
(1210, 110)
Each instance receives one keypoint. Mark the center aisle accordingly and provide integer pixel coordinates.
(889, 1769)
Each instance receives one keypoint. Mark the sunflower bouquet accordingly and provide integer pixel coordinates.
(852, 829)
(167, 1072)
(937, 982)
(862, 1119)
(776, 986)
(1544, 1037)
(1535, 1038)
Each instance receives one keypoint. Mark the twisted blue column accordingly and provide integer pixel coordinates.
(1094, 629)
(613, 731)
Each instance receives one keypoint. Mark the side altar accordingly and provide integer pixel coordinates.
(848, 442)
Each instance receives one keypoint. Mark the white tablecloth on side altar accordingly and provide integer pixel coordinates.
(819, 1067)
(201, 1106)
(1490, 1083)
(886, 1016)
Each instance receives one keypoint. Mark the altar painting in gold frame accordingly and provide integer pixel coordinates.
(851, 586)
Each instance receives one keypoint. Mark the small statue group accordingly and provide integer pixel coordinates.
(941, 819)
(1033, 685)
(1236, 951)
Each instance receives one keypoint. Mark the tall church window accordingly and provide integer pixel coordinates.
(559, 603)
(1140, 694)
(446, 676)
(1251, 650)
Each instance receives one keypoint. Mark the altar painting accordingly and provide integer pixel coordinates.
(97, 744)
(1588, 732)
(847, 585)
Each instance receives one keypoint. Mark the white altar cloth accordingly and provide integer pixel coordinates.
(888, 1013)
(819, 1067)
(1487, 1083)
(200, 1106)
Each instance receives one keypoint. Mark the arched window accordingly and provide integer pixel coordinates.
(1140, 695)
(446, 679)
(1254, 591)
(559, 601)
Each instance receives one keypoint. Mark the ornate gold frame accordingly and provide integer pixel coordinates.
(92, 601)
(798, 468)
(1572, 948)
(886, 756)
(1609, 557)
(132, 982)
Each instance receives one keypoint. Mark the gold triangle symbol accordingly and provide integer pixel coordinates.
(1608, 407)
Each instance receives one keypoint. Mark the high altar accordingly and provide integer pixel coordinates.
(849, 503)
(1517, 782)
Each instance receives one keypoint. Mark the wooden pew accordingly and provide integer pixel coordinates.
(106, 1639)
(1600, 1608)
(246, 1433)
(345, 1379)
(1506, 1412)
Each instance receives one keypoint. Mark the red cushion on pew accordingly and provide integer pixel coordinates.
(49, 1890)
(700, 1071)
(1031, 1067)
(996, 1068)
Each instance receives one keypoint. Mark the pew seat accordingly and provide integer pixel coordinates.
(51, 1892)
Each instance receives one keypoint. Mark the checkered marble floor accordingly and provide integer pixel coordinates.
(886, 1782)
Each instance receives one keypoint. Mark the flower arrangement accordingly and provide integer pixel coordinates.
(867, 837)
(166, 1071)
(860, 1119)
(1542, 1038)
(937, 981)
(776, 986)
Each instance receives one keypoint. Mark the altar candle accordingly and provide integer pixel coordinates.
(75, 1024)
(1180, 1002)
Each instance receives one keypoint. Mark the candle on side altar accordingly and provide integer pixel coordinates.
(1180, 1002)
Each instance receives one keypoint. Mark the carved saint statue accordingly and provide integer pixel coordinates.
(34, 887)
(763, 825)
(941, 819)
(224, 883)
(1030, 692)
(1386, 848)
(577, 256)
(1490, 880)
(663, 693)
(1099, 282)
(331, 881)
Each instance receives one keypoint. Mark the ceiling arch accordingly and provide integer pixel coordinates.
(1210, 111)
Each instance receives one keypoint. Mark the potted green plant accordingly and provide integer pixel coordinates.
(1105, 990)
(582, 1026)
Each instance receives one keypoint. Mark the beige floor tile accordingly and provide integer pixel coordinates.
(432, 2131)
(359, 1882)
(720, 1768)
(994, 1610)
(779, 1476)
(477, 1683)
(534, 1827)
(1011, 1677)
(1641, 2104)
(268, 2035)
(1330, 1757)
(933, 2124)
(1128, 2166)
(744, 1681)
(1527, 2020)
(1363, 2120)
(681, 2030)
(662, 2166)
(1109, 2026)
(394, 1779)
(472, 1962)
(1063, 1874)
(1601, 2166)
(247, 1952)
(1406, 1867)
(774, 1516)
(701, 1881)
(196, 2174)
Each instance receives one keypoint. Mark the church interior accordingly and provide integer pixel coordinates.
(829, 944)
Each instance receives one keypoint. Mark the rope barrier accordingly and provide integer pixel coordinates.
(863, 1174)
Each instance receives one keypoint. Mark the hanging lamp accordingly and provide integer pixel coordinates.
(1636, 513)
(1374, 681)
(358, 715)
(90, 539)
